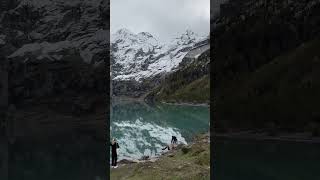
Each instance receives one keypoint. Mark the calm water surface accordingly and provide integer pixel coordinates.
(143, 130)
(266, 160)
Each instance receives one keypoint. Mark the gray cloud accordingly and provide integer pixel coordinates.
(162, 18)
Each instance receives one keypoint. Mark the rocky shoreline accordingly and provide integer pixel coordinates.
(145, 159)
(141, 160)
(190, 161)
(188, 104)
(143, 100)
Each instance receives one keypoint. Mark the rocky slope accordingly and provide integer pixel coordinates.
(140, 61)
(190, 83)
(46, 28)
(264, 68)
(55, 52)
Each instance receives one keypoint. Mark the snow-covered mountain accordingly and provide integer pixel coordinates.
(141, 56)
(73, 35)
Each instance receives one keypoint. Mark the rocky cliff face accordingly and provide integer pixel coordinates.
(55, 52)
(53, 47)
(191, 82)
(139, 61)
(31, 26)
(259, 31)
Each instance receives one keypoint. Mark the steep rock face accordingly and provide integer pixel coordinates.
(3, 74)
(249, 34)
(139, 60)
(53, 53)
(257, 44)
(215, 7)
(190, 83)
(46, 25)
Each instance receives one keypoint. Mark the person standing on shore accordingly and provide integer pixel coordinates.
(174, 141)
(114, 146)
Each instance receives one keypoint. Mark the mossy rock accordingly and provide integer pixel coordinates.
(185, 150)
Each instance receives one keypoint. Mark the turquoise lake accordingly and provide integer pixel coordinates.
(141, 129)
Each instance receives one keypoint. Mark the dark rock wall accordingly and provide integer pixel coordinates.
(53, 114)
(68, 86)
(243, 45)
(134, 88)
(190, 70)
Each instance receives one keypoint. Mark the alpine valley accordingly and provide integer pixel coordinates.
(142, 65)
(53, 55)
(54, 85)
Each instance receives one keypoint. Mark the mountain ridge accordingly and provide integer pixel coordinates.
(140, 63)
(141, 55)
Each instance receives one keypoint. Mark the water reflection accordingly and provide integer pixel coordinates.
(143, 130)
(76, 159)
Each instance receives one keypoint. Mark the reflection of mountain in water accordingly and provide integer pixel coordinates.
(265, 160)
(80, 158)
(144, 130)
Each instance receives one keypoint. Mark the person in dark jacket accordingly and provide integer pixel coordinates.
(174, 140)
(114, 146)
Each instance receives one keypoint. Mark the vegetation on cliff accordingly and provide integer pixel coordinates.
(266, 67)
(189, 84)
(282, 93)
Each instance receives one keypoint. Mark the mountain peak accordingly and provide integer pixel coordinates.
(187, 37)
(141, 56)
(124, 31)
(189, 32)
(145, 34)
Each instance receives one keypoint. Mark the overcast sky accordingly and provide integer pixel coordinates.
(162, 18)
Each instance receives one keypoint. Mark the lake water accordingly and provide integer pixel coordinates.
(265, 160)
(141, 129)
